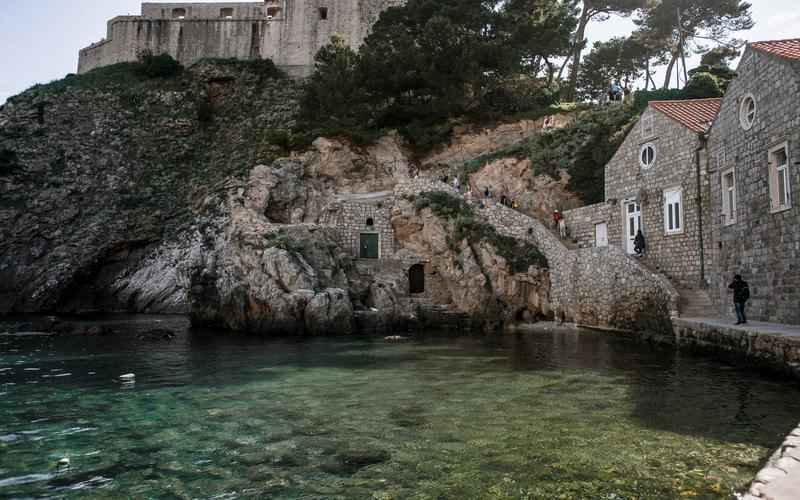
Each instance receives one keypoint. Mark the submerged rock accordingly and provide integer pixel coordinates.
(352, 460)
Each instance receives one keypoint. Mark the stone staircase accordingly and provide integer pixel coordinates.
(592, 286)
(695, 304)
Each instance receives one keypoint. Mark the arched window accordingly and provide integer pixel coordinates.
(323, 13)
(370, 222)
(416, 279)
(178, 13)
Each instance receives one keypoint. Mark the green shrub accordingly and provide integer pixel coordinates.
(520, 255)
(264, 68)
(702, 85)
(285, 242)
(280, 138)
(205, 110)
(444, 205)
(8, 161)
(160, 66)
(645, 96)
(582, 149)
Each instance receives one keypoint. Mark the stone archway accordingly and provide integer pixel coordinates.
(416, 279)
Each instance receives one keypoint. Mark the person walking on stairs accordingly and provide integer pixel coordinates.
(741, 294)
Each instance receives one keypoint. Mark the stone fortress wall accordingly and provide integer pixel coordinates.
(290, 32)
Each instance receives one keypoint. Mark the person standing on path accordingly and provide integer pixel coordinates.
(741, 294)
(556, 218)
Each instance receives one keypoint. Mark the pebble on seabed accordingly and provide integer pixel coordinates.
(64, 463)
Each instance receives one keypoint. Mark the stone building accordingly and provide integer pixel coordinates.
(755, 179)
(290, 32)
(657, 183)
(363, 224)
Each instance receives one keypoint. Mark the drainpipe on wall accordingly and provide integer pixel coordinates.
(703, 138)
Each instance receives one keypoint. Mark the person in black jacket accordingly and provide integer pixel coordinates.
(741, 294)
(639, 246)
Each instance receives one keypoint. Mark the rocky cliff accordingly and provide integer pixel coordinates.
(181, 195)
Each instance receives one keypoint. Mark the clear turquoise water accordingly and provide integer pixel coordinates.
(535, 414)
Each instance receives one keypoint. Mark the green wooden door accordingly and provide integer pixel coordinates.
(369, 246)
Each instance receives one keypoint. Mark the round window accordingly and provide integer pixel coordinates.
(748, 111)
(647, 155)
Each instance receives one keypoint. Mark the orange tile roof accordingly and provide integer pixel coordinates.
(695, 114)
(788, 49)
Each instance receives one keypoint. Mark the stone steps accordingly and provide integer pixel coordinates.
(695, 304)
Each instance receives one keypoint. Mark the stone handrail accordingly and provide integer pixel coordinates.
(591, 286)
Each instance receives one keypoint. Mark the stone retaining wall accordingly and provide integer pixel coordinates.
(759, 346)
(581, 223)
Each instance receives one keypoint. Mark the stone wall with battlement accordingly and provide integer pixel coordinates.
(290, 36)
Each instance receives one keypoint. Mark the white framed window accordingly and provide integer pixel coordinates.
(648, 126)
(728, 178)
(673, 211)
(780, 190)
(647, 155)
(748, 110)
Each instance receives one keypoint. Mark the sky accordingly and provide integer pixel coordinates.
(40, 39)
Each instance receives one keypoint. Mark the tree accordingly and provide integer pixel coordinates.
(442, 57)
(681, 23)
(593, 10)
(716, 63)
(719, 56)
(619, 59)
(333, 98)
(701, 86)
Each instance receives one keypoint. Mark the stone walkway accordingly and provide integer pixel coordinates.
(775, 329)
(780, 478)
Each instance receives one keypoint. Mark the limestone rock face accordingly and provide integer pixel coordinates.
(470, 142)
(473, 277)
(330, 312)
(101, 188)
(261, 278)
(537, 195)
(348, 169)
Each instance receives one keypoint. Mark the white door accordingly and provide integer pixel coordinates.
(601, 235)
(633, 222)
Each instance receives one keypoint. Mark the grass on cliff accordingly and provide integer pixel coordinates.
(262, 68)
(127, 74)
(520, 255)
